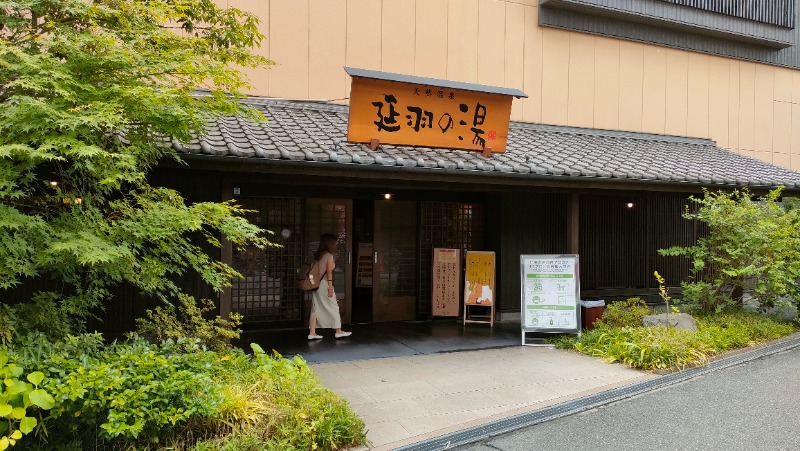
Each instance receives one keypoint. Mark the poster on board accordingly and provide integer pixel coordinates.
(445, 286)
(479, 286)
(479, 278)
(550, 293)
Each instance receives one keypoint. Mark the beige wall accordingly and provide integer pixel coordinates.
(570, 78)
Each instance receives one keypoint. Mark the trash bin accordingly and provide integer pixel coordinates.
(591, 311)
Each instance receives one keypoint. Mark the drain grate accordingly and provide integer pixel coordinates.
(482, 432)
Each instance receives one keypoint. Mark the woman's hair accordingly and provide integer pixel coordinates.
(327, 243)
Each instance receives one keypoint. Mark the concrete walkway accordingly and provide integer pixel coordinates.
(407, 399)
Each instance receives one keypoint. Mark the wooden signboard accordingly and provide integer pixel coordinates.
(446, 273)
(392, 109)
(479, 286)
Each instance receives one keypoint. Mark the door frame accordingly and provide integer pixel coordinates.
(346, 250)
(380, 314)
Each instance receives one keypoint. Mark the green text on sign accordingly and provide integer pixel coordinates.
(550, 307)
(549, 276)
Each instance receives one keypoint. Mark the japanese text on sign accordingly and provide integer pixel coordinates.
(405, 113)
(550, 292)
(445, 287)
(479, 279)
(419, 119)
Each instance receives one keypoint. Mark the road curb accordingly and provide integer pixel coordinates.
(505, 425)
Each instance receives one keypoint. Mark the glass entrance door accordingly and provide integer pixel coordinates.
(395, 261)
(332, 216)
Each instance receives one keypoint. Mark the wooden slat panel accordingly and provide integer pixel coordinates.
(529, 224)
(619, 245)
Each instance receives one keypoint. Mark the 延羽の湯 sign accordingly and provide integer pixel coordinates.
(418, 111)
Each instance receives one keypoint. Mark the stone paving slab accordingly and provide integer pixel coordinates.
(407, 399)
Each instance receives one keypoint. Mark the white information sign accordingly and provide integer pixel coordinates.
(550, 293)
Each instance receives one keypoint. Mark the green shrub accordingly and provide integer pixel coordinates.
(299, 413)
(644, 347)
(178, 395)
(164, 323)
(654, 348)
(41, 315)
(130, 390)
(753, 327)
(628, 313)
(18, 401)
(752, 246)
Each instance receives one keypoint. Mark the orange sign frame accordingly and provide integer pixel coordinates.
(402, 113)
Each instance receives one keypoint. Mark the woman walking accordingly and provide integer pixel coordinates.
(324, 307)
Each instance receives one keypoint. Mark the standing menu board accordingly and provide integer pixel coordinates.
(446, 273)
(550, 294)
(479, 285)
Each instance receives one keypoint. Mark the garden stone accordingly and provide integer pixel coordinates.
(677, 320)
(784, 312)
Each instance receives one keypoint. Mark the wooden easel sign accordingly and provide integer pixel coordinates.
(479, 287)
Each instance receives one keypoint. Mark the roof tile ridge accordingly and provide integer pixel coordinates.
(298, 104)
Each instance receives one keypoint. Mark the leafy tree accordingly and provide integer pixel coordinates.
(752, 246)
(91, 95)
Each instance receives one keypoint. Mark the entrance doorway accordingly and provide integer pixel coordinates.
(394, 290)
(332, 216)
(382, 265)
(385, 238)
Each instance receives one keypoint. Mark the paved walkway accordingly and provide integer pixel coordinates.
(407, 399)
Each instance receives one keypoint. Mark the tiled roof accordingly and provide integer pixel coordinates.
(314, 132)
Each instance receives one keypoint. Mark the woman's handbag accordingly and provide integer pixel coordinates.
(306, 280)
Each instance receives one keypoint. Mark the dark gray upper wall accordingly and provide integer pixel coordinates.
(775, 12)
(695, 27)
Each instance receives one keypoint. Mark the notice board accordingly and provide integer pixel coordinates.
(445, 288)
(550, 293)
(479, 285)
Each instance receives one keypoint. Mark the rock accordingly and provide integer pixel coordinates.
(677, 320)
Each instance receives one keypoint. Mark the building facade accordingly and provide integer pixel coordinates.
(656, 66)
(632, 106)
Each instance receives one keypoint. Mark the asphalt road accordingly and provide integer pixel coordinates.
(753, 406)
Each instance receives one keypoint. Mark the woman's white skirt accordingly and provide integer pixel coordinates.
(325, 308)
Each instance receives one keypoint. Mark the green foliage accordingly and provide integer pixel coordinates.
(648, 348)
(128, 391)
(91, 96)
(164, 323)
(752, 247)
(663, 291)
(18, 399)
(40, 314)
(304, 415)
(177, 395)
(654, 348)
(8, 320)
(628, 313)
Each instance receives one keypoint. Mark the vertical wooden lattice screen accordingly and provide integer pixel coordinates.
(266, 291)
(455, 225)
(619, 244)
